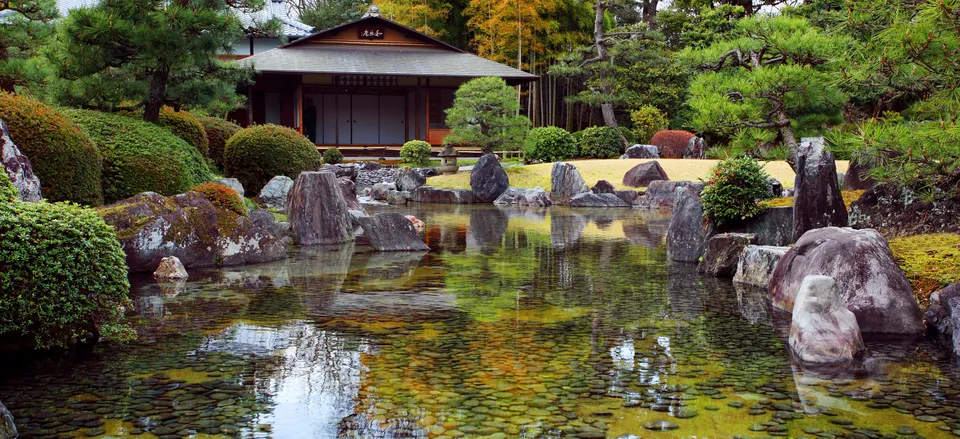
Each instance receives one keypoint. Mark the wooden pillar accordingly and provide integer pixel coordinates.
(416, 111)
(336, 111)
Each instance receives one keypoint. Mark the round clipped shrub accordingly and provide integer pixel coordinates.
(332, 156)
(185, 126)
(218, 132)
(139, 156)
(647, 121)
(734, 191)
(64, 158)
(415, 153)
(549, 144)
(63, 274)
(600, 142)
(222, 197)
(256, 154)
(672, 143)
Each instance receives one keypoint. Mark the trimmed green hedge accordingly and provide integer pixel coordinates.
(549, 144)
(734, 191)
(64, 158)
(415, 153)
(139, 156)
(600, 143)
(258, 153)
(218, 132)
(63, 274)
(184, 125)
(332, 156)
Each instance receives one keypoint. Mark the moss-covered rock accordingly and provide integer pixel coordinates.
(64, 158)
(258, 153)
(218, 132)
(139, 156)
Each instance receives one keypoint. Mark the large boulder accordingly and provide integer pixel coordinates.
(8, 430)
(817, 201)
(410, 179)
(380, 191)
(151, 227)
(943, 317)
(231, 183)
(488, 180)
(274, 193)
(723, 253)
(170, 269)
(317, 211)
(773, 226)
(643, 174)
(18, 168)
(823, 330)
(870, 281)
(603, 187)
(432, 195)
(264, 219)
(590, 199)
(341, 170)
(641, 152)
(392, 231)
(536, 197)
(349, 190)
(661, 194)
(858, 176)
(757, 264)
(565, 182)
(688, 231)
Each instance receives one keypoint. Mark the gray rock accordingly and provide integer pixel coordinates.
(274, 193)
(696, 148)
(392, 231)
(231, 183)
(348, 170)
(536, 197)
(723, 253)
(170, 269)
(870, 281)
(688, 232)
(410, 179)
(380, 190)
(661, 194)
(432, 195)
(317, 211)
(757, 263)
(355, 216)
(858, 176)
(603, 187)
(349, 190)
(18, 168)
(488, 180)
(369, 166)
(643, 174)
(8, 430)
(565, 182)
(264, 219)
(943, 317)
(817, 201)
(590, 199)
(639, 151)
(398, 197)
(774, 226)
(822, 329)
(628, 196)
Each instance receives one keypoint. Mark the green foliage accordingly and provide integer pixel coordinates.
(600, 143)
(218, 132)
(415, 153)
(63, 274)
(22, 35)
(734, 191)
(698, 28)
(332, 156)
(258, 153)
(139, 156)
(324, 14)
(222, 197)
(8, 192)
(647, 120)
(185, 126)
(484, 114)
(549, 144)
(64, 158)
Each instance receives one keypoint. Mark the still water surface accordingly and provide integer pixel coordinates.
(518, 323)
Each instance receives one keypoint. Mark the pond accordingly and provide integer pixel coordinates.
(517, 323)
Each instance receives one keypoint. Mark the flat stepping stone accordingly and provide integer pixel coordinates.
(660, 425)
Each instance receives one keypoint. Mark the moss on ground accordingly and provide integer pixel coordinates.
(612, 170)
(930, 262)
(848, 198)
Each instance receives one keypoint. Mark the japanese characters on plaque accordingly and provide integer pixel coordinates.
(370, 33)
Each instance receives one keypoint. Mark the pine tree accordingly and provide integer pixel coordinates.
(25, 27)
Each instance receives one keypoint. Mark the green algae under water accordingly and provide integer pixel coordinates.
(518, 323)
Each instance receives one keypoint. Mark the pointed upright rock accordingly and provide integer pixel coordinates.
(817, 201)
(488, 180)
(565, 182)
(317, 211)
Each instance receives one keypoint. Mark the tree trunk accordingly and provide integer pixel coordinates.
(649, 11)
(158, 92)
(789, 139)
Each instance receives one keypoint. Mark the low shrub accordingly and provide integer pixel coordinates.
(549, 144)
(222, 197)
(8, 192)
(600, 143)
(258, 153)
(218, 132)
(139, 156)
(672, 143)
(63, 274)
(64, 158)
(185, 125)
(332, 156)
(415, 153)
(734, 191)
(647, 121)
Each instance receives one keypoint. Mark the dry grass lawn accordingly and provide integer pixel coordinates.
(612, 170)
